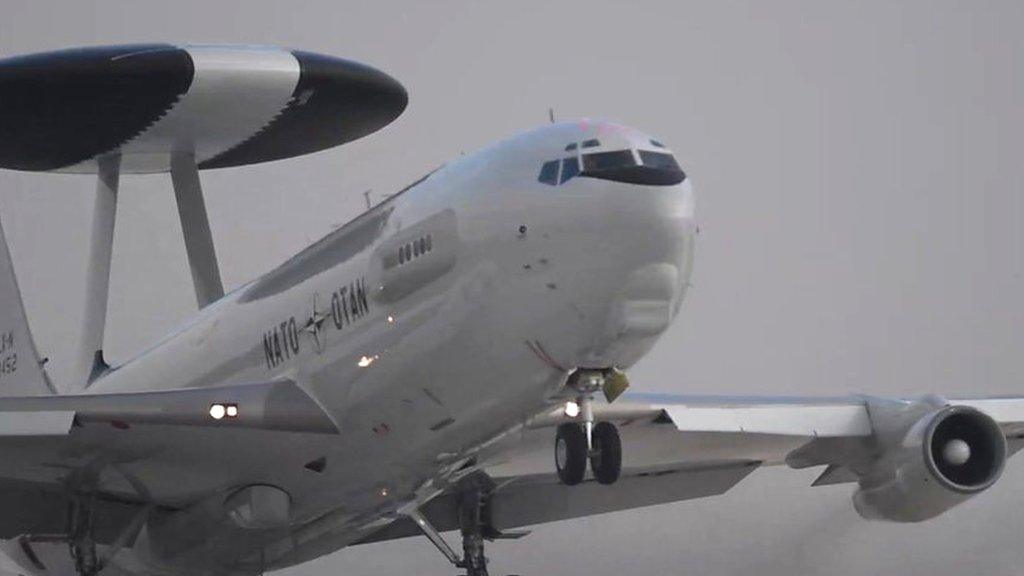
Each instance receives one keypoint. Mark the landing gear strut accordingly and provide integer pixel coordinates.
(80, 536)
(599, 443)
(471, 524)
(474, 524)
(80, 528)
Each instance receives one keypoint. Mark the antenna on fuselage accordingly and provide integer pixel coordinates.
(551, 115)
(366, 194)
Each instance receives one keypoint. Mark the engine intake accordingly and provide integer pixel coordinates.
(943, 459)
(966, 450)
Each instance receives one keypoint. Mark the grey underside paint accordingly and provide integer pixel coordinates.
(541, 498)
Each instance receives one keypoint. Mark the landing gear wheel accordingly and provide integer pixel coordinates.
(606, 457)
(571, 454)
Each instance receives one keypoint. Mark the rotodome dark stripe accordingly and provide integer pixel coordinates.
(61, 108)
(335, 101)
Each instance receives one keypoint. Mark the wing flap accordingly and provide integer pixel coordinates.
(541, 498)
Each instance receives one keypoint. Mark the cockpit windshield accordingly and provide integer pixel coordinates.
(653, 168)
(606, 160)
(633, 166)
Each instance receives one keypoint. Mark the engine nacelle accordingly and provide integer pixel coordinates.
(943, 459)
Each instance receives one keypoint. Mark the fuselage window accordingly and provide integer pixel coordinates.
(592, 143)
(659, 160)
(570, 168)
(418, 247)
(606, 160)
(549, 173)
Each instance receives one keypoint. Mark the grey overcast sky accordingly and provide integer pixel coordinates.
(858, 174)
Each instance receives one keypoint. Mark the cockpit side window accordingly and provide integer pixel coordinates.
(659, 160)
(570, 168)
(549, 173)
(570, 147)
(592, 143)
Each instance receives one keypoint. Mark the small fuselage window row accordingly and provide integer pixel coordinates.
(412, 250)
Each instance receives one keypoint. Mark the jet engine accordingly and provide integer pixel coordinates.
(944, 458)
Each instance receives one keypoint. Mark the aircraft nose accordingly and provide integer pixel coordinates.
(656, 276)
(636, 274)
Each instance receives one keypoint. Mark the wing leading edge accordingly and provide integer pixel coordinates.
(278, 405)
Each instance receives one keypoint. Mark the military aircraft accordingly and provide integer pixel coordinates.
(454, 358)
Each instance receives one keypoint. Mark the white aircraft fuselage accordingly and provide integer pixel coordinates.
(430, 366)
(440, 320)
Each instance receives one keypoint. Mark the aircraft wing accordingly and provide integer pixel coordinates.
(276, 405)
(661, 428)
(140, 446)
(678, 448)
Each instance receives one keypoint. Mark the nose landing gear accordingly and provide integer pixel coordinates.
(571, 453)
(604, 454)
(599, 443)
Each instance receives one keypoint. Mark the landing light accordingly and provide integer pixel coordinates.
(572, 409)
(221, 411)
(367, 360)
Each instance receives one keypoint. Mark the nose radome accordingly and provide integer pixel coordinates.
(644, 307)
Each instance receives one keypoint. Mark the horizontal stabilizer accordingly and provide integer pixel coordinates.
(50, 423)
(280, 405)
